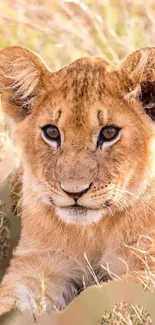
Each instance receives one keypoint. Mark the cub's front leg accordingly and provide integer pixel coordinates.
(38, 282)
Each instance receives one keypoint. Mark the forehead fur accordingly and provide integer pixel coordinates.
(79, 85)
(82, 77)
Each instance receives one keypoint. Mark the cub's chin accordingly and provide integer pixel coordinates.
(79, 215)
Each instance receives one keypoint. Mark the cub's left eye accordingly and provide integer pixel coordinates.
(51, 133)
(107, 134)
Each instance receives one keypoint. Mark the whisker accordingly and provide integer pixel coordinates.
(127, 192)
(110, 211)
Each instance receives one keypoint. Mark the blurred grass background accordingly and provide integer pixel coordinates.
(60, 32)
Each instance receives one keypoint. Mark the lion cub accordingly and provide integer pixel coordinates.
(87, 137)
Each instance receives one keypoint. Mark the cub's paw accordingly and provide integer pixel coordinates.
(7, 302)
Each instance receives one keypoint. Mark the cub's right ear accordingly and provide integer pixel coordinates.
(138, 79)
(22, 76)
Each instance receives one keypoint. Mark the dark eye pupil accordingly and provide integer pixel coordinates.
(51, 132)
(109, 133)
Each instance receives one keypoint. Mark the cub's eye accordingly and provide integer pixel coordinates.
(107, 134)
(51, 133)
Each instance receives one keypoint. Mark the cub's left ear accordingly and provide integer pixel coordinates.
(138, 76)
(22, 76)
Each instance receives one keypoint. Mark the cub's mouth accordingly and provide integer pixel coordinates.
(78, 209)
(79, 215)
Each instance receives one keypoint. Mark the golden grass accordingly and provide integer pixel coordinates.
(126, 314)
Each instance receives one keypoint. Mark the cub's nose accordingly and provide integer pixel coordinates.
(75, 191)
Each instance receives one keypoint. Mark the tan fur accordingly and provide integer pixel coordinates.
(114, 234)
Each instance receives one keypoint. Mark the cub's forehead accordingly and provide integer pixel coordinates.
(79, 92)
(86, 66)
(82, 78)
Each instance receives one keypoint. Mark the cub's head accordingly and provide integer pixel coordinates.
(86, 131)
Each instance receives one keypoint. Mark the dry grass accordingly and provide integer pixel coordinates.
(125, 314)
(62, 31)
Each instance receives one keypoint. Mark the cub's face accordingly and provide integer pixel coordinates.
(86, 147)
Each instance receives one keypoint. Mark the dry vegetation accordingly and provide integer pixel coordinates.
(62, 31)
(126, 314)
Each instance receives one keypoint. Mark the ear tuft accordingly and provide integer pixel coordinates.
(138, 75)
(21, 72)
(23, 79)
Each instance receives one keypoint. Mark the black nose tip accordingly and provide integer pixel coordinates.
(76, 195)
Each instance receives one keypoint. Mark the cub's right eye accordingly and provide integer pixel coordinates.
(51, 133)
